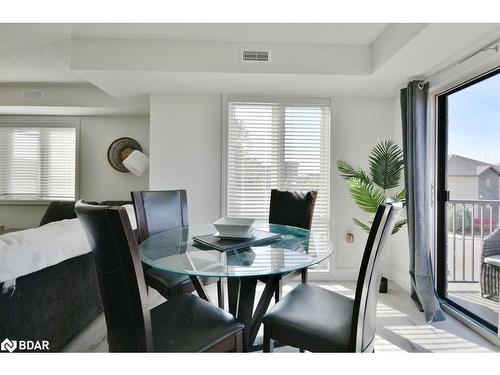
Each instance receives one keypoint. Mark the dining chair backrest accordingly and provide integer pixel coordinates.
(158, 211)
(370, 273)
(295, 208)
(120, 275)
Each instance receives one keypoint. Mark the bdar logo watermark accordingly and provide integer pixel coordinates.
(8, 345)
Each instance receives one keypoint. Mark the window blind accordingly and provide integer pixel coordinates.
(277, 146)
(37, 163)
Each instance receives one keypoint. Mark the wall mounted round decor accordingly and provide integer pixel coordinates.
(120, 147)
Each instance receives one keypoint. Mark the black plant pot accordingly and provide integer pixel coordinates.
(383, 285)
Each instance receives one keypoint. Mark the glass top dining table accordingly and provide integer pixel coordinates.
(174, 251)
(295, 251)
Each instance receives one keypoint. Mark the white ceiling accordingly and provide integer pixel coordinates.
(120, 71)
(321, 33)
(35, 53)
(42, 54)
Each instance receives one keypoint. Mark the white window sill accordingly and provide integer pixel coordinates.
(27, 202)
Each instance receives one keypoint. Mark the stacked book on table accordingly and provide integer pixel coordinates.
(259, 237)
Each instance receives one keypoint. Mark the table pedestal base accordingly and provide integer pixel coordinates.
(241, 298)
(241, 295)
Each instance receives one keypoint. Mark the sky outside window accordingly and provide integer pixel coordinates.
(474, 121)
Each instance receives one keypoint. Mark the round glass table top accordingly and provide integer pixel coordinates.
(174, 251)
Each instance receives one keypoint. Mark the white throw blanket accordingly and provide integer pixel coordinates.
(31, 250)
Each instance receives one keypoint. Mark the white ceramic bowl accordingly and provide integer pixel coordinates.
(234, 227)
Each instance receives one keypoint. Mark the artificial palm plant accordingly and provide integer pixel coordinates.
(371, 189)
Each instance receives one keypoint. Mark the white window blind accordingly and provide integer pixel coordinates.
(37, 163)
(277, 146)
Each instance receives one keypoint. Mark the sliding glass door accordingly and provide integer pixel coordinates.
(469, 198)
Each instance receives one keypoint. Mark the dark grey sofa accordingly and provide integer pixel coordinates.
(57, 302)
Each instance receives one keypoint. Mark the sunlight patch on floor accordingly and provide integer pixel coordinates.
(383, 345)
(384, 311)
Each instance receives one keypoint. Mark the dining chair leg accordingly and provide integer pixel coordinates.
(278, 294)
(268, 343)
(220, 293)
(303, 275)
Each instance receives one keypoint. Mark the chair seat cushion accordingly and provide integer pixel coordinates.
(312, 318)
(494, 260)
(170, 283)
(188, 323)
(164, 279)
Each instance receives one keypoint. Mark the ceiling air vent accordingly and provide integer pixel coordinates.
(32, 94)
(253, 55)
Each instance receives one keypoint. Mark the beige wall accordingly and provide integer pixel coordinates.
(185, 133)
(98, 181)
(358, 124)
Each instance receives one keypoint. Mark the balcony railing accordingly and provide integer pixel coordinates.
(469, 223)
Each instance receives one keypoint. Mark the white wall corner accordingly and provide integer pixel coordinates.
(391, 41)
(398, 257)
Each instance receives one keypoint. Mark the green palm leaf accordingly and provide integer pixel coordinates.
(348, 171)
(366, 227)
(363, 226)
(386, 163)
(401, 197)
(369, 191)
(366, 196)
(400, 224)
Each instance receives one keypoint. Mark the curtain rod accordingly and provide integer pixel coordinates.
(491, 46)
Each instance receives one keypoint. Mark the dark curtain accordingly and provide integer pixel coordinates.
(415, 146)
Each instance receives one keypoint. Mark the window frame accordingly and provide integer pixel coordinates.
(49, 122)
(441, 194)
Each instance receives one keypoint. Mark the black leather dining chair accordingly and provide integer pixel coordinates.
(185, 323)
(318, 320)
(294, 208)
(158, 211)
